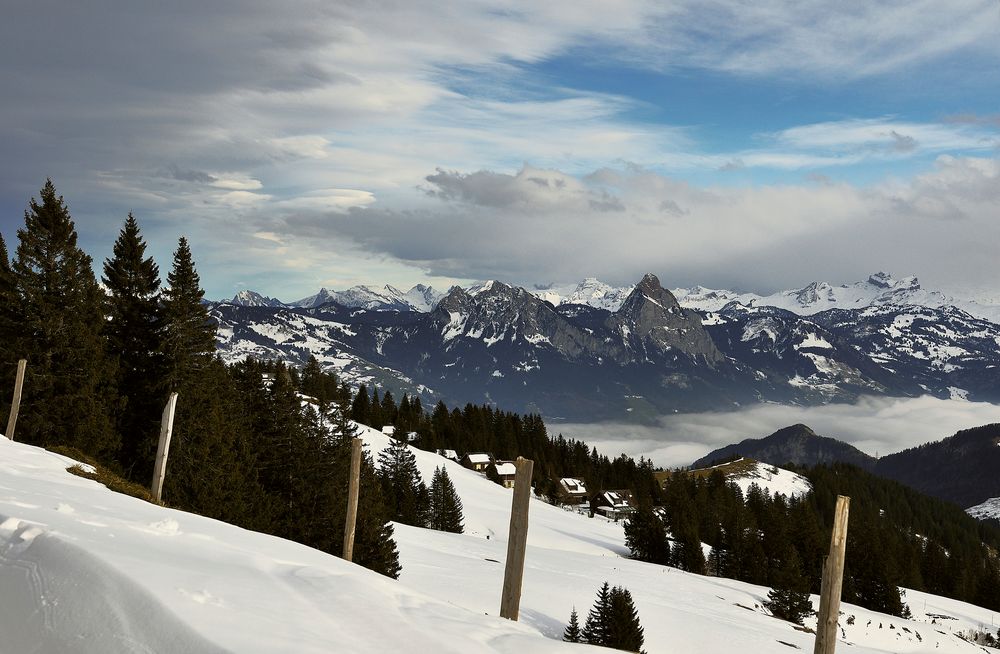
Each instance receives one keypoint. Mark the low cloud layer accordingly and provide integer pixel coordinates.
(874, 425)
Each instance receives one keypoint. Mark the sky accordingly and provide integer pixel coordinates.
(752, 146)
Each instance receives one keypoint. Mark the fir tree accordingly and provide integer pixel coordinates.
(646, 537)
(597, 627)
(374, 545)
(360, 406)
(212, 469)
(789, 598)
(624, 630)
(188, 332)
(61, 320)
(572, 634)
(402, 485)
(10, 310)
(445, 504)
(133, 332)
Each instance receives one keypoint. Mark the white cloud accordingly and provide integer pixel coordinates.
(321, 106)
(533, 225)
(877, 426)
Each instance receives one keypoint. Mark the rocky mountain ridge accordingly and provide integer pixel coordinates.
(503, 344)
(879, 289)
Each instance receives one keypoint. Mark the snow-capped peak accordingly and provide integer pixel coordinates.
(591, 291)
(879, 289)
(248, 298)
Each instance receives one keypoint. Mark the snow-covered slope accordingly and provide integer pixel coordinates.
(771, 479)
(83, 569)
(590, 291)
(387, 298)
(879, 289)
(86, 570)
(987, 510)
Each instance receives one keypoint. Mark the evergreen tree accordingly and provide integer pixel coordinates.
(572, 634)
(789, 598)
(597, 627)
(360, 406)
(374, 545)
(188, 332)
(646, 537)
(402, 485)
(133, 333)
(624, 630)
(69, 396)
(214, 452)
(445, 504)
(10, 309)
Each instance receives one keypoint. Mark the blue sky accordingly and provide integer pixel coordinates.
(749, 146)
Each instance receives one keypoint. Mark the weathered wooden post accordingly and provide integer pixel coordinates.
(15, 403)
(517, 540)
(352, 499)
(833, 581)
(163, 448)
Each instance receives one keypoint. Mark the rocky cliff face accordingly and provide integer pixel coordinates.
(651, 320)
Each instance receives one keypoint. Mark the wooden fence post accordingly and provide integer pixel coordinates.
(15, 403)
(163, 448)
(352, 499)
(517, 540)
(833, 581)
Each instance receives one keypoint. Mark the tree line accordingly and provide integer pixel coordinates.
(102, 361)
(896, 537)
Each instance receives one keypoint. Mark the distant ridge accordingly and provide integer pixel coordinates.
(964, 468)
(797, 444)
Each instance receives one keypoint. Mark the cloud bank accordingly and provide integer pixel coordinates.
(876, 426)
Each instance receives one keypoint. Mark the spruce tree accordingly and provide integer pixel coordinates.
(212, 469)
(646, 537)
(624, 630)
(445, 504)
(133, 333)
(188, 332)
(9, 329)
(69, 393)
(789, 597)
(402, 485)
(597, 627)
(374, 545)
(572, 634)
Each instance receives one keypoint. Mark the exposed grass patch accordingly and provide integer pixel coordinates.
(101, 474)
(742, 467)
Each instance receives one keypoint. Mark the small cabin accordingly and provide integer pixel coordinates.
(506, 471)
(477, 461)
(572, 491)
(613, 504)
(451, 455)
(389, 431)
(412, 437)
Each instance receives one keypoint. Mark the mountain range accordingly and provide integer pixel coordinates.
(644, 356)
(877, 290)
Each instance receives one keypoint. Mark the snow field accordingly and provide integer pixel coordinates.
(569, 556)
(84, 569)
